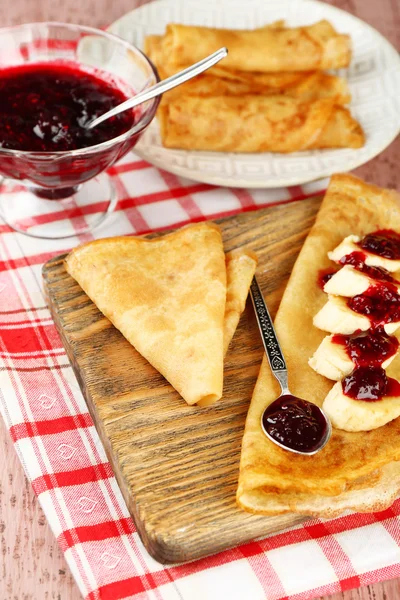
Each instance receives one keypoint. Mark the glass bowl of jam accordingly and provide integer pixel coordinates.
(54, 79)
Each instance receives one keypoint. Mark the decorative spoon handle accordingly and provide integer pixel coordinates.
(163, 86)
(271, 345)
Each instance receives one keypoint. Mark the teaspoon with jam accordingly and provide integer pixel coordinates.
(292, 423)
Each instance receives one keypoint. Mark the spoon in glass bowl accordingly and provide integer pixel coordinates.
(292, 423)
(163, 86)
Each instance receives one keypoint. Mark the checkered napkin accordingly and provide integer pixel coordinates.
(63, 457)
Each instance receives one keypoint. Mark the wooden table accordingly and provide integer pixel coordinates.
(31, 565)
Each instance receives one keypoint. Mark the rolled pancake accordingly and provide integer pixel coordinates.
(268, 49)
(240, 268)
(257, 124)
(167, 297)
(275, 81)
(273, 480)
(154, 48)
(222, 82)
(309, 88)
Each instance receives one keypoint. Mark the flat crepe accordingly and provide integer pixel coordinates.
(167, 297)
(257, 124)
(273, 480)
(267, 49)
(372, 493)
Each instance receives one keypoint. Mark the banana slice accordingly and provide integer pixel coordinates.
(359, 415)
(332, 361)
(349, 282)
(349, 245)
(336, 317)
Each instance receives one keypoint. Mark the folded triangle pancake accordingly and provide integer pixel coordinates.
(352, 470)
(167, 297)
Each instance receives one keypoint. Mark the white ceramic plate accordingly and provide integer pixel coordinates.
(373, 76)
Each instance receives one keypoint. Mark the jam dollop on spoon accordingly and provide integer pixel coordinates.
(290, 422)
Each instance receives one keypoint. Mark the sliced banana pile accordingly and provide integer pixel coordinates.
(361, 315)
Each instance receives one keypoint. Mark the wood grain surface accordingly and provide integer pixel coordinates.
(36, 569)
(32, 567)
(177, 466)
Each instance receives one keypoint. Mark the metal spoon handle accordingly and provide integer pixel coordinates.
(271, 345)
(163, 86)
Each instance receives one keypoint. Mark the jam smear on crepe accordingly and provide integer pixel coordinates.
(370, 347)
(380, 303)
(356, 260)
(324, 275)
(384, 242)
(369, 384)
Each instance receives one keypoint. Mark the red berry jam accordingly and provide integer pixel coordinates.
(371, 347)
(369, 384)
(356, 260)
(44, 108)
(295, 423)
(384, 242)
(380, 303)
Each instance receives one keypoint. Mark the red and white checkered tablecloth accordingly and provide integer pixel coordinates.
(63, 457)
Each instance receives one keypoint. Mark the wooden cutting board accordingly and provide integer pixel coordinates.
(177, 465)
